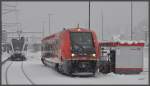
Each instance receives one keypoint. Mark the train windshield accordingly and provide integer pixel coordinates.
(81, 41)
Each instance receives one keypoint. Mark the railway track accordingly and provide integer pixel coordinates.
(22, 70)
(3, 62)
(27, 77)
(6, 72)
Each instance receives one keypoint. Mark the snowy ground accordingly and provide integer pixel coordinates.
(37, 73)
(5, 55)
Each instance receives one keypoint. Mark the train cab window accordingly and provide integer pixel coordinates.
(82, 42)
(82, 38)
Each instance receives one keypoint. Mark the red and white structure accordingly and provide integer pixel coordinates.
(128, 57)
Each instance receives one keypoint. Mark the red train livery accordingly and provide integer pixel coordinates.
(74, 50)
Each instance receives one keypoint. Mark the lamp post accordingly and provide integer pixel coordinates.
(89, 14)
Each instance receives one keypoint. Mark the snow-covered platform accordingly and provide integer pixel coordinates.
(40, 74)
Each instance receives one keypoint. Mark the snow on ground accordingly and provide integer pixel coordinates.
(15, 71)
(36, 55)
(41, 74)
(4, 56)
(3, 71)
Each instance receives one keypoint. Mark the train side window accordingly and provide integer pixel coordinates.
(55, 45)
(42, 47)
(58, 43)
(48, 47)
(45, 46)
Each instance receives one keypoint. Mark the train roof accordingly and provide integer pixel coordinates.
(79, 29)
(70, 30)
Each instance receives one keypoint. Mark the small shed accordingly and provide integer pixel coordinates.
(125, 56)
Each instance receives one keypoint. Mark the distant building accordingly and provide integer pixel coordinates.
(4, 36)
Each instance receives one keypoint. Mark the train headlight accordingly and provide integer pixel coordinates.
(72, 54)
(94, 54)
(79, 30)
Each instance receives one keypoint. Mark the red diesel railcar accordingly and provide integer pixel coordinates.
(74, 50)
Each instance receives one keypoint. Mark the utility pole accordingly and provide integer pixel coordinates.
(89, 13)
(43, 29)
(49, 22)
(17, 16)
(49, 15)
(19, 32)
(18, 25)
(102, 22)
(131, 22)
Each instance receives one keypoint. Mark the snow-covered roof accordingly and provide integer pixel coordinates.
(124, 43)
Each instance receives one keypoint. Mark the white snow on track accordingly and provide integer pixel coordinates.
(41, 74)
(15, 74)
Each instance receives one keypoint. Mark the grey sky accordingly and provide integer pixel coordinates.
(69, 14)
